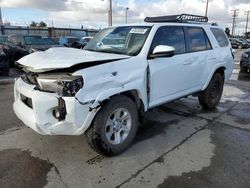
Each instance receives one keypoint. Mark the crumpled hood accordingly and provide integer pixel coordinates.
(60, 58)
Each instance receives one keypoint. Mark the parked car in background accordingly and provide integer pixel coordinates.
(4, 64)
(239, 43)
(14, 52)
(245, 61)
(18, 46)
(49, 41)
(68, 41)
(81, 43)
(234, 43)
(32, 43)
(248, 41)
(243, 44)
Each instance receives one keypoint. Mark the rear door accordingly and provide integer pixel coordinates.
(199, 53)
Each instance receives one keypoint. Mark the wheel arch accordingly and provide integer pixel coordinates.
(134, 95)
(219, 69)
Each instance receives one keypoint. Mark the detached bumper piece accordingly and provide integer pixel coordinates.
(60, 111)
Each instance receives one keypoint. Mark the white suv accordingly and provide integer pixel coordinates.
(123, 71)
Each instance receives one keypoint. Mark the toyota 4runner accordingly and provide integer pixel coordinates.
(105, 89)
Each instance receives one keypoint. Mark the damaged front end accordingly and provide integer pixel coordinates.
(63, 84)
(47, 103)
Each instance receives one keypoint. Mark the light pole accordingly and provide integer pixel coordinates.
(235, 15)
(110, 12)
(1, 19)
(247, 13)
(207, 1)
(127, 15)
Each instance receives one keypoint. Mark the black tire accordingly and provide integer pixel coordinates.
(6, 73)
(211, 96)
(242, 69)
(96, 134)
(7, 66)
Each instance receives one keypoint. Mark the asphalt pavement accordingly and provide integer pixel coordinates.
(178, 145)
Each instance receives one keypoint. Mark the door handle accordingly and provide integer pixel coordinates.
(187, 63)
(212, 58)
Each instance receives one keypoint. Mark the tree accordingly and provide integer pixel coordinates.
(227, 31)
(42, 24)
(33, 24)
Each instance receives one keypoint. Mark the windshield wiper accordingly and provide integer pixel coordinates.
(111, 52)
(90, 50)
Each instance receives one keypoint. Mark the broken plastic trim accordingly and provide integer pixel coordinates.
(60, 111)
(85, 103)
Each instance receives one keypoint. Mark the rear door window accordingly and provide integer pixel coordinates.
(197, 39)
(220, 37)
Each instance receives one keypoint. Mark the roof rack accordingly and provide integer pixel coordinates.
(177, 18)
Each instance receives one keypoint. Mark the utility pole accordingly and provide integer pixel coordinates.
(235, 15)
(207, 2)
(127, 15)
(52, 28)
(1, 19)
(110, 13)
(247, 12)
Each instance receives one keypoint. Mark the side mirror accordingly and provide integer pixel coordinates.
(163, 51)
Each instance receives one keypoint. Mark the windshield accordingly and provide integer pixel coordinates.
(33, 40)
(126, 40)
(73, 40)
(48, 41)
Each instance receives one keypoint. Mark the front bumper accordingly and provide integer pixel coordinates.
(38, 113)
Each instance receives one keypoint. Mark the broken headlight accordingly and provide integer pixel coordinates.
(64, 85)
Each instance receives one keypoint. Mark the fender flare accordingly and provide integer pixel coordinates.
(96, 105)
(115, 91)
(215, 68)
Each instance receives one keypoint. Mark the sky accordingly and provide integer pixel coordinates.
(94, 13)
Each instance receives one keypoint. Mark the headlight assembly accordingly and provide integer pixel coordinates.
(64, 85)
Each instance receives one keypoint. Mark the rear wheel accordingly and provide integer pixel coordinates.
(211, 96)
(242, 69)
(114, 127)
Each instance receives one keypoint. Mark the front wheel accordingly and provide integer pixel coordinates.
(211, 96)
(114, 127)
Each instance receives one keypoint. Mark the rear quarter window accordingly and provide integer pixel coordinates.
(197, 39)
(220, 37)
